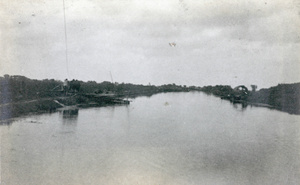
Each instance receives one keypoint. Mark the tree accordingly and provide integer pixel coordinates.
(75, 85)
(254, 87)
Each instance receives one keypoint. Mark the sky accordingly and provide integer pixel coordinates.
(226, 42)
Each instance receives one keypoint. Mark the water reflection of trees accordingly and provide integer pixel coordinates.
(6, 122)
(73, 113)
(240, 106)
(70, 116)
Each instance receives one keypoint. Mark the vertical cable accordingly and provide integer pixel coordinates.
(112, 81)
(66, 39)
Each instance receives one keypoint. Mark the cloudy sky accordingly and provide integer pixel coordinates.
(217, 42)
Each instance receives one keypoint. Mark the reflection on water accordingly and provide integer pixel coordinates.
(193, 139)
(71, 113)
(240, 106)
(70, 116)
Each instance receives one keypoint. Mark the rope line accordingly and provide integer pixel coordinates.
(66, 39)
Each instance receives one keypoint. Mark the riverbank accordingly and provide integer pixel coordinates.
(20, 95)
(16, 109)
(283, 97)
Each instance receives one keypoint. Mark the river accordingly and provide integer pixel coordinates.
(167, 139)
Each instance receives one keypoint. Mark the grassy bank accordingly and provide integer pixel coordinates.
(12, 110)
(283, 97)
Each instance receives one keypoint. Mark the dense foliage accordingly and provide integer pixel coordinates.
(17, 88)
(285, 97)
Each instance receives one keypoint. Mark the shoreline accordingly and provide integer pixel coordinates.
(48, 105)
(11, 111)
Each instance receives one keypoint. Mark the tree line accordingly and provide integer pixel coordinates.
(17, 88)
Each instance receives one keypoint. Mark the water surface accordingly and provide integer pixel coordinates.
(172, 139)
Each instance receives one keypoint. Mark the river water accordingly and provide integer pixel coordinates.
(167, 139)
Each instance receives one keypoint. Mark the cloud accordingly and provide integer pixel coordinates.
(215, 40)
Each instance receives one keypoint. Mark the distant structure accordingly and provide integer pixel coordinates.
(240, 94)
(254, 87)
(6, 76)
(65, 85)
(241, 89)
(18, 77)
